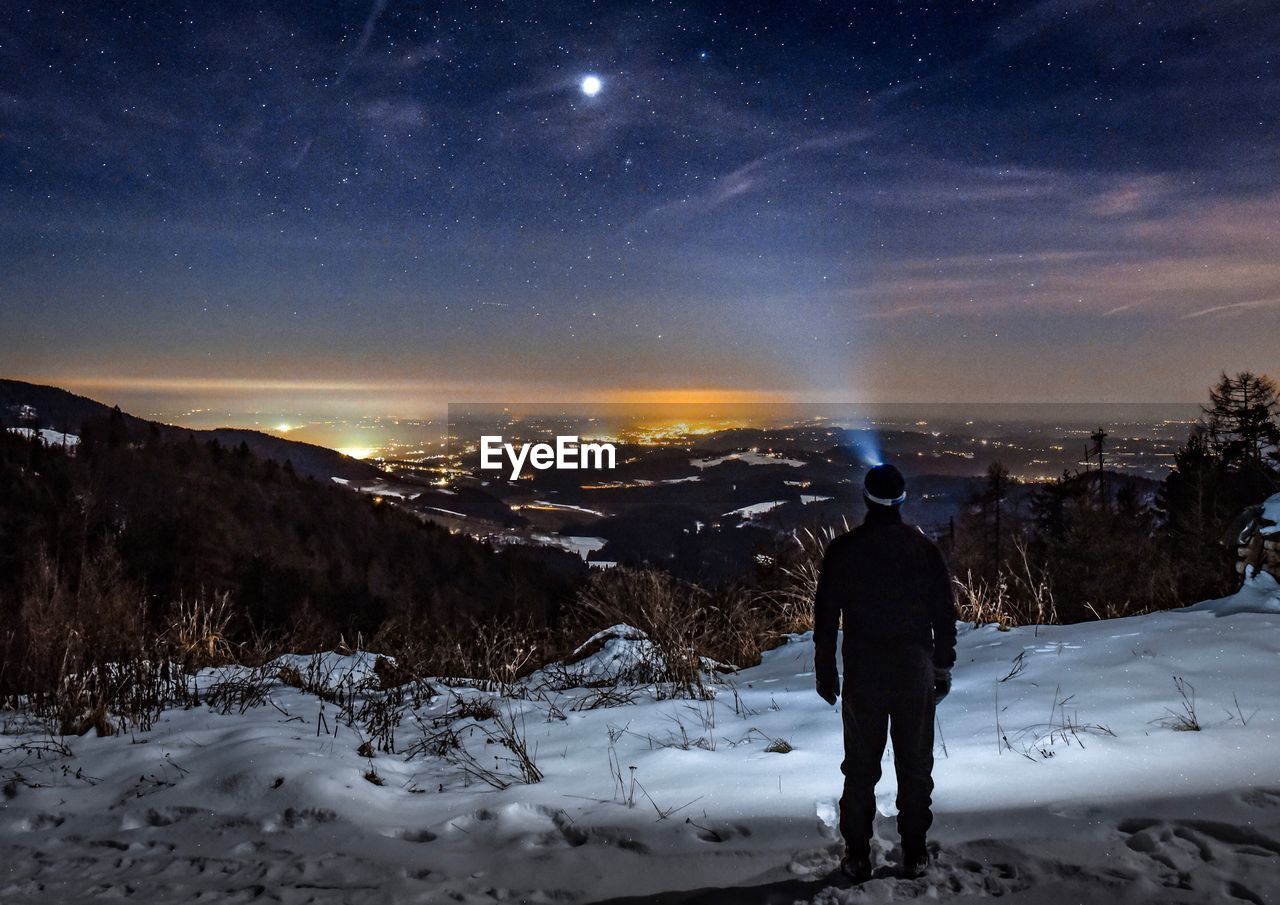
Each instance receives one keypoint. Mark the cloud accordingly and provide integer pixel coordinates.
(1233, 308)
(366, 35)
(1131, 196)
(756, 174)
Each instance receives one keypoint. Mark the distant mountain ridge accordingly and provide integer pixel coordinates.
(66, 411)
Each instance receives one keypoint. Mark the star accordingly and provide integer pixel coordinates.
(591, 85)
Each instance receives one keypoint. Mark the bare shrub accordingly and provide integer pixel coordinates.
(85, 660)
(738, 628)
(491, 655)
(602, 698)
(444, 738)
(510, 733)
(377, 714)
(238, 689)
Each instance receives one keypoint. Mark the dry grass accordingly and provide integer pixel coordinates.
(197, 631)
(1019, 595)
(675, 617)
(792, 604)
(82, 658)
(493, 655)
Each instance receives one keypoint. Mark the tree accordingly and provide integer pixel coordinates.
(986, 521)
(1242, 420)
(1051, 506)
(117, 430)
(1199, 502)
(1099, 438)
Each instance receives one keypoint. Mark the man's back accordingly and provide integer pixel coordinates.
(891, 586)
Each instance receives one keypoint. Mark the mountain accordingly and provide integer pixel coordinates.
(65, 411)
(98, 532)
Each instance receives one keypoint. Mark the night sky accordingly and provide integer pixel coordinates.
(406, 204)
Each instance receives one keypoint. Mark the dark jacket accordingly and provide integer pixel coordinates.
(891, 585)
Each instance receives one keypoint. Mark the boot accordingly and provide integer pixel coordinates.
(857, 868)
(915, 861)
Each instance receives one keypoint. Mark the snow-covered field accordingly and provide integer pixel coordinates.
(583, 546)
(49, 437)
(1061, 777)
(750, 457)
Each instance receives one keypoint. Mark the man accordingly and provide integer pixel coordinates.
(890, 586)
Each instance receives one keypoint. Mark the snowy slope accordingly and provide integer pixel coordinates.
(1271, 513)
(48, 437)
(1061, 778)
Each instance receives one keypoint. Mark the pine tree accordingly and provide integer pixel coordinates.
(989, 503)
(1242, 420)
(1199, 501)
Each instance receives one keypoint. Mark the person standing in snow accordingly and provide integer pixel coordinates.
(890, 586)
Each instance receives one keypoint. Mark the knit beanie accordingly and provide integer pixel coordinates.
(885, 486)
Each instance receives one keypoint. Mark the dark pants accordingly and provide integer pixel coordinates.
(888, 695)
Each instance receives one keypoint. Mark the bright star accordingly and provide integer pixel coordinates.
(591, 85)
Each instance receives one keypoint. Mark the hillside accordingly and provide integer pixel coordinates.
(168, 519)
(65, 411)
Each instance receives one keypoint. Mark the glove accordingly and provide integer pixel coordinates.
(829, 690)
(941, 683)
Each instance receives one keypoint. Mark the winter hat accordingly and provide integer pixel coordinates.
(885, 486)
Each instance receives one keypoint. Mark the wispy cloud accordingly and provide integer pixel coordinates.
(756, 174)
(366, 35)
(1131, 196)
(1234, 308)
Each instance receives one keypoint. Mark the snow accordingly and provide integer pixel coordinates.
(328, 669)
(558, 507)
(1271, 513)
(757, 509)
(643, 482)
(383, 489)
(750, 457)
(583, 546)
(1060, 778)
(618, 653)
(48, 437)
(1259, 594)
(443, 511)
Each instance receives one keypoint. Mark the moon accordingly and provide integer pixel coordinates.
(591, 85)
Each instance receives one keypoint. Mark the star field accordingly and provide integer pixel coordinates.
(889, 201)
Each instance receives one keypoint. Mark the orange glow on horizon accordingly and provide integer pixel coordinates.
(429, 392)
(700, 396)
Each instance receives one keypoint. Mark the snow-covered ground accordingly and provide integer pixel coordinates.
(756, 509)
(583, 546)
(750, 457)
(49, 437)
(1271, 513)
(1062, 777)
